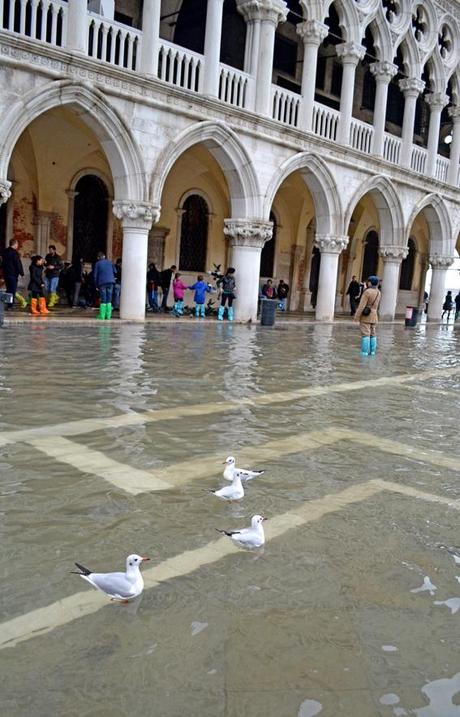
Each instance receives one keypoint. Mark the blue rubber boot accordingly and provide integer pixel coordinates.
(180, 307)
(197, 311)
(365, 345)
(220, 313)
(230, 313)
(203, 311)
(373, 346)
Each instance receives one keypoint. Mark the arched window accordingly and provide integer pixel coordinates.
(371, 255)
(267, 259)
(90, 218)
(190, 25)
(194, 234)
(407, 267)
(314, 275)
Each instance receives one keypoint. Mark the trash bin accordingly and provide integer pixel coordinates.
(268, 311)
(411, 316)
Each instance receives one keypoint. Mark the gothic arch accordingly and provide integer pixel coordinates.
(439, 224)
(231, 156)
(122, 151)
(348, 18)
(410, 54)
(382, 37)
(386, 200)
(321, 184)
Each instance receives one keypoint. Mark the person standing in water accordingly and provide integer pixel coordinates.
(228, 285)
(367, 315)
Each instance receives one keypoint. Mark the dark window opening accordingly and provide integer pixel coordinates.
(371, 255)
(194, 234)
(407, 267)
(90, 218)
(395, 100)
(336, 79)
(233, 41)
(190, 25)
(314, 275)
(123, 19)
(267, 259)
(285, 55)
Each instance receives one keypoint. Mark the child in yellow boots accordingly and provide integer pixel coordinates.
(36, 285)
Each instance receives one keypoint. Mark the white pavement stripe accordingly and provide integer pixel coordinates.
(387, 445)
(43, 620)
(86, 460)
(75, 428)
(62, 612)
(134, 481)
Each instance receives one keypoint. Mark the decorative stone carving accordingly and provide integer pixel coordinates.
(331, 243)
(393, 253)
(412, 86)
(5, 190)
(383, 71)
(312, 32)
(350, 52)
(454, 113)
(136, 214)
(437, 100)
(441, 262)
(248, 232)
(274, 11)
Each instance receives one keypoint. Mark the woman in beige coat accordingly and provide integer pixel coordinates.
(367, 315)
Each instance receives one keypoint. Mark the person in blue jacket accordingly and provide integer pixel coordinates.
(104, 280)
(200, 288)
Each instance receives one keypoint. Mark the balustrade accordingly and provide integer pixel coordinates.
(234, 86)
(391, 148)
(418, 159)
(285, 106)
(325, 121)
(361, 136)
(442, 168)
(113, 42)
(180, 67)
(43, 20)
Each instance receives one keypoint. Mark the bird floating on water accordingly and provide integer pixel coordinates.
(235, 491)
(117, 586)
(253, 537)
(231, 470)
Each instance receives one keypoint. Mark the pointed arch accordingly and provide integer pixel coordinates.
(320, 183)
(437, 216)
(382, 37)
(410, 54)
(437, 72)
(122, 151)
(348, 18)
(231, 156)
(388, 205)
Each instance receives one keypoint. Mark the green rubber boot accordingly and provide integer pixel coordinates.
(102, 311)
(108, 311)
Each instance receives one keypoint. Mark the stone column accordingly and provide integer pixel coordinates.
(411, 89)
(77, 26)
(439, 265)
(351, 54)
(330, 247)
(383, 73)
(312, 33)
(452, 176)
(246, 238)
(267, 14)
(42, 231)
(70, 216)
(212, 42)
(151, 14)
(136, 218)
(437, 101)
(392, 258)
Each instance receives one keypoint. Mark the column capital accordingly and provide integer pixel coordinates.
(411, 87)
(331, 243)
(350, 52)
(274, 11)
(437, 100)
(5, 190)
(393, 253)
(383, 71)
(441, 262)
(136, 215)
(312, 32)
(454, 113)
(248, 232)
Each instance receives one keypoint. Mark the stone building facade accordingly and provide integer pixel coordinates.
(306, 140)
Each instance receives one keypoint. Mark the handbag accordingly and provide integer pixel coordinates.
(367, 309)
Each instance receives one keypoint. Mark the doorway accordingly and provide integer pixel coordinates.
(90, 218)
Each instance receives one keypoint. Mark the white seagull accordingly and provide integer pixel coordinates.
(252, 537)
(118, 586)
(234, 491)
(230, 470)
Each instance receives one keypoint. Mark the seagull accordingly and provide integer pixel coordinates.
(427, 586)
(230, 470)
(234, 491)
(118, 586)
(252, 537)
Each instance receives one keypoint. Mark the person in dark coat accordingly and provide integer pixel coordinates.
(153, 282)
(37, 286)
(448, 305)
(282, 292)
(457, 306)
(104, 280)
(53, 267)
(76, 278)
(117, 286)
(12, 269)
(354, 292)
(268, 290)
(166, 276)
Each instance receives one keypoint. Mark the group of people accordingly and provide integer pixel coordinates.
(449, 304)
(279, 292)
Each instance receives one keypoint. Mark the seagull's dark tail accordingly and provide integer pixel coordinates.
(225, 532)
(82, 570)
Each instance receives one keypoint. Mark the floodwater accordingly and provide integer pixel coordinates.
(351, 609)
